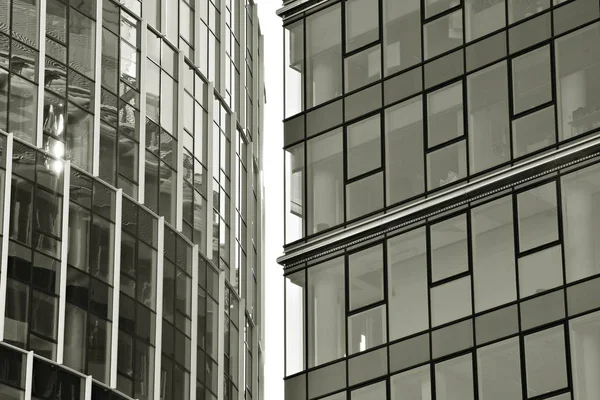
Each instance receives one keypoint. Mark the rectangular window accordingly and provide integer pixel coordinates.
(295, 289)
(532, 82)
(545, 361)
(365, 277)
(362, 23)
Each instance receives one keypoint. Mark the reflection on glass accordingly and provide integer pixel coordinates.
(401, 34)
(443, 34)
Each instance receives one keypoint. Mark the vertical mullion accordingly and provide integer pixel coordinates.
(222, 55)
(142, 126)
(249, 218)
(63, 263)
(178, 223)
(221, 335)
(41, 70)
(197, 38)
(159, 307)
(210, 95)
(97, 90)
(5, 231)
(241, 323)
(29, 375)
(116, 288)
(194, 322)
(234, 192)
(242, 66)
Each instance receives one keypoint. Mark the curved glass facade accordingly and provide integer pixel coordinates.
(131, 197)
(442, 171)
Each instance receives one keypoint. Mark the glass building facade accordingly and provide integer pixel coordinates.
(131, 201)
(442, 174)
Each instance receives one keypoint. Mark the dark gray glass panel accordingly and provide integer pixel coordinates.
(454, 379)
(575, 14)
(293, 130)
(545, 361)
(489, 137)
(324, 118)
(529, 33)
(585, 349)
(363, 102)
(326, 380)
(411, 385)
(409, 352)
(577, 89)
(499, 371)
(362, 68)
(443, 34)
(537, 211)
(404, 151)
(494, 274)
(364, 196)
(534, 131)
(583, 297)
(295, 388)
(367, 366)
(497, 324)
(401, 34)
(407, 284)
(482, 18)
(452, 339)
(444, 69)
(402, 86)
(541, 271)
(486, 51)
(365, 277)
(542, 310)
(580, 206)
(376, 391)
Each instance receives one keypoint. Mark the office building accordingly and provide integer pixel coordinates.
(441, 193)
(131, 197)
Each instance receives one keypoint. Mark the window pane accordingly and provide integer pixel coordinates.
(578, 93)
(545, 361)
(449, 248)
(537, 216)
(443, 34)
(362, 68)
(489, 140)
(372, 392)
(454, 379)
(585, 350)
(294, 193)
(446, 165)
(362, 23)
(499, 371)
(580, 203)
(324, 56)
(366, 330)
(519, 9)
(295, 287)
(540, 271)
(484, 17)
(451, 301)
(445, 117)
(531, 79)
(404, 151)
(365, 269)
(326, 312)
(534, 131)
(401, 34)
(364, 196)
(294, 60)
(325, 181)
(81, 43)
(411, 385)
(364, 146)
(407, 283)
(494, 273)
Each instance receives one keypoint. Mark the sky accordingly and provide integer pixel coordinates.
(271, 29)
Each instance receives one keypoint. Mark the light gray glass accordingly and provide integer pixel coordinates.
(401, 34)
(295, 291)
(519, 9)
(365, 276)
(407, 284)
(367, 330)
(325, 174)
(532, 84)
(376, 391)
(404, 151)
(538, 221)
(446, 165)
(540, 271)
(362, 23)
(545, 361)
(326, 312)
(585, 341)
(499, 370)
(534, 131)
(443, 34)
(454, 379)
(364, 146)
(414, 384)
(362, 68)
(433, 7)
(294, 68)
(451, 301)
(364, 196)
(579, 208)
(445, 118)
(489, 128)
(294, 193)
(494, 274)
(483, 18)
(449, 248)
